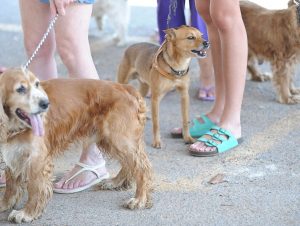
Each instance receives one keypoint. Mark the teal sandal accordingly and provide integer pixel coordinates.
(222, 139)
(198, 129)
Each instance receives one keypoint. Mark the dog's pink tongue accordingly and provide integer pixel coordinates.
(37, 125)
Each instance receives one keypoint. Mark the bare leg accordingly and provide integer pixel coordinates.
(229, 50)
(207, 83)
(79, 63)
(71, 39)
(35, 20)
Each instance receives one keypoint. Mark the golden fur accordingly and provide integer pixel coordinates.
(274, 35)
(140, 60)
(82, 111)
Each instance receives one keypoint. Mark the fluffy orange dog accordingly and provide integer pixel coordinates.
(274, 35)
(82, 111)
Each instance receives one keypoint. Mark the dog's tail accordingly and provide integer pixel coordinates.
(124, 73)
(142, 109)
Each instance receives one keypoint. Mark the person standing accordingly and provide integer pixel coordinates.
(70, 38)
(229, 48)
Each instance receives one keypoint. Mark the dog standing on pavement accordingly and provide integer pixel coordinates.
(118, 13)
(164, 68)
(40, 120)
(274, 35)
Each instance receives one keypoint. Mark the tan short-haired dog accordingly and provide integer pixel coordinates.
(41, 120)
(274, 35)
(164, 68)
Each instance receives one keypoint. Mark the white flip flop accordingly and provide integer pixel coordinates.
(92, 183)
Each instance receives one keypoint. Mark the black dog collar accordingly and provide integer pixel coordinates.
(179, 73)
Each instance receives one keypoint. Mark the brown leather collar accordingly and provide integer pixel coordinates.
(172, 76)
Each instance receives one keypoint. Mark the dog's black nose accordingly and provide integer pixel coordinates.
(43, 104)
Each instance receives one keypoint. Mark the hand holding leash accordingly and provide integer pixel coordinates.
(59, 6)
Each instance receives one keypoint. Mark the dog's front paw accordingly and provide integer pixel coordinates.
(267, 76)
(294, 99)
(295, 91)
(110, 184)
(19, 216)
(189, 140)
(135, 203)
(106, 184)
(262, 77)
(156, 144)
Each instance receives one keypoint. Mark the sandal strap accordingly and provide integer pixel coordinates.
(205, 119)
(219, 137)
(222, 131)
(222, 136)
(85, 167)
(215, 135)
(208, 142)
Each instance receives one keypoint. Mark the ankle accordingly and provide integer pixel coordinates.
(206, 83)
(234, 128)
(91, 161)
(215, 118)
(91, 156)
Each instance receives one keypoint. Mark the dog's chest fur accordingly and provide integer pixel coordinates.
(17, 154)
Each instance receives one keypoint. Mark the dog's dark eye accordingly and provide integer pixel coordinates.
(37, 84)
(191, 38)
(21, 89)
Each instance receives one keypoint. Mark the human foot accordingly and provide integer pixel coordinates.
(80, 178)
(206, 93)
(199, 127)
(217, 140)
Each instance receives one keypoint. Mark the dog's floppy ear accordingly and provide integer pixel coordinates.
(170, 34)
(3, 116)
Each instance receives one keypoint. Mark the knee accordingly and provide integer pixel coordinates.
(223, 20)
